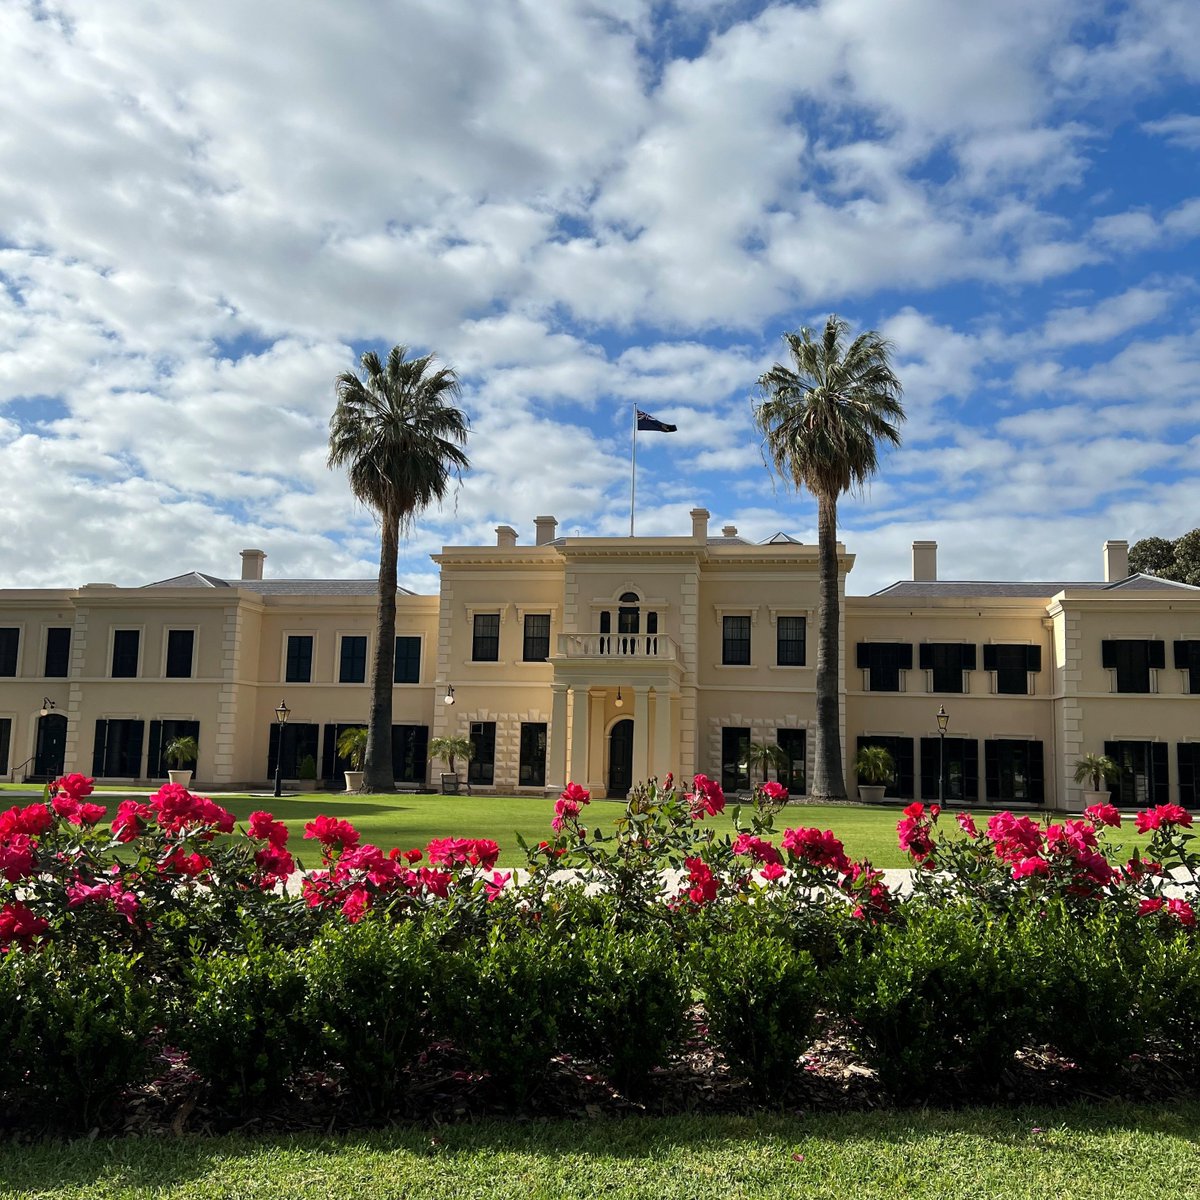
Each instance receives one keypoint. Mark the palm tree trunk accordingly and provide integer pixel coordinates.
(379, 775)
(828, 782)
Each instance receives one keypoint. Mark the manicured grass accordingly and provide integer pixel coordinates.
(1109, 1152)
(409, 820)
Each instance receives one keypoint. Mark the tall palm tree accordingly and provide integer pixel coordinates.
(400, 436)
(822, 419)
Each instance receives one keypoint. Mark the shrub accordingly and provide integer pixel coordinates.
(1170, 995)
(1088, 977)
(74, 1032)
(761, 998)
(243, 1021)
(629, 992)
(368, 992)
(502, 1002)
(940, 996)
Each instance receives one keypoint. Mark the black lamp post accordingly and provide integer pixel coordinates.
(281, 715)
(943, 720)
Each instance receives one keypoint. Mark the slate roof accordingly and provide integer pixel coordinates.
(280, 587)
(947, 589)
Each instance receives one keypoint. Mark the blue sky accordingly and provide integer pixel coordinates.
(207, 212)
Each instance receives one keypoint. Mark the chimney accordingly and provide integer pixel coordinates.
(700, 524)
(506, 536)
(1116, 561)
(729, 531)
(252, 564)
(547, 529)
(924, 562)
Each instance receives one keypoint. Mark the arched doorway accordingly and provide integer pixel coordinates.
(620, 759)
(51, 750)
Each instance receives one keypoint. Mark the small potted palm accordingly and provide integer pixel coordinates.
(306, 775)
(875, 769)
(451, 749)
(1096, 769)
(352, 746)
(177, 752)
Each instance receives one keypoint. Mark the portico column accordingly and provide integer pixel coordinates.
(557, 777)
(579, 734)
(664, 735)
(641, 734)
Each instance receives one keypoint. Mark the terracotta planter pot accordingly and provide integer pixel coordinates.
(354, 781)
(183, 778)
(871, 793)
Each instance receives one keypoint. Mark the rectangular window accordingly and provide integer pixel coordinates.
(180, 643)
(1187, 658)
(352, 664)
(125, 653)
(408, 660)
(1144, 777)
(58, 653)
(735, 770)
(789, 642)
(298, 666)
(1189, 773)
(883, 662)
(1132, 660)
(946, 662)
(792, 743)
(162, 734)
(537, 637)
(299, 740)
(482, 767)
(485, 643)
(735, 641)
(410, 753)
(901, 750)
(533, 755)
(9, 638)
(1013, 772)
(960, 769)
(1013, 664)
(117, 752)
(6, 739)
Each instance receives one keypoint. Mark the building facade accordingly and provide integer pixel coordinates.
(607, 660)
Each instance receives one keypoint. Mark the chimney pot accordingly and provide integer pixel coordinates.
(924, 562)
(1116, 561)
(700, 524)
(252, 564)
(547, 529)
(506, 536)
(729, 531)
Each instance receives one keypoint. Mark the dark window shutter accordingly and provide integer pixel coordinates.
(991, 771)
(273, 750)
(421, 753)
(929, 768)
(98, 750)
(1113, 750)
(1156, 655)
(1183, 655)
(1161, 782)
(904, 660)
(926, 656)
(137, 733)
(1037, 773)
(1033, 658)
(154, 761)
(905, 782)
(970, 753)
(1187, 754)
(989, 658)
(1108, 654)
(968, 657)
(864, 656)
(328, 752)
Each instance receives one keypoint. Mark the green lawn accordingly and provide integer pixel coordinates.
(1110, 1152)
(409, 820)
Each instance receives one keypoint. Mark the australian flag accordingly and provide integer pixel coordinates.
(647, 423)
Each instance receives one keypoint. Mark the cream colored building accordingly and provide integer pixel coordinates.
(606, 660)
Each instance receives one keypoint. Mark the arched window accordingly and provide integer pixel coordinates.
(629, 615)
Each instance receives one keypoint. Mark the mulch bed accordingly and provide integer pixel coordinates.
(441, 1089)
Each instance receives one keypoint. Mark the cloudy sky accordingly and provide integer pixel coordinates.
(207, 211)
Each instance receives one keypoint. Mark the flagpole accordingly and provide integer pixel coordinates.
(633, 471)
